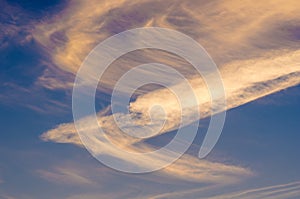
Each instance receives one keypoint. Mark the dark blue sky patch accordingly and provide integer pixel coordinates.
(38, 7)
(20, 65)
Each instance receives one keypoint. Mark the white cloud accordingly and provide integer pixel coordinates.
(255, 54)
(252, 85)
(228, 30)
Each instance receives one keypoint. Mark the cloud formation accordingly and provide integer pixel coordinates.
(228, 30)
(253, 60)
(290, 190)
(282, 191)
(275, 74)
(65, 176)
(187, 168)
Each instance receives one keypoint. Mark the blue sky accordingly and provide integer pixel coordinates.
(42, 45)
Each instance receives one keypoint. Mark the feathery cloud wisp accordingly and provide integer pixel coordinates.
(253, 62)
(271, 78)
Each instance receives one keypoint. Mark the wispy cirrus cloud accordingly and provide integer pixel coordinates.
(61, 175)
(100, 181)
(289, 190)
(229, 30)
(252, 86)
(255, 45)
(187, 168)
(281, 191)
(252, 60)
(24, 65)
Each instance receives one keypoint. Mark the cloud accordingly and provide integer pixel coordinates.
(256, 78)
(187, 168)
(92, 180)
(274, 75)
(244, 81)
(15, 26)
(282, 191)
(290, 190)
(231, 32)
(228, 30)
(255, 45)
(65, 176)
(31, 71)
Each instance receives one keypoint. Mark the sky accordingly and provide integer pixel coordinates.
(255, 46)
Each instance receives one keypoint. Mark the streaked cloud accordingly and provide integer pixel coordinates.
(126, 186)
(229, 30)
(187, 168)
(256, 47)
(65, 176)
(15, 26)
(251, 86)
(253, 61)
(290, 190)
(282, 191)
(25, 69)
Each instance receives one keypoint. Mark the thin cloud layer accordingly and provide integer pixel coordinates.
(229, 30)
(290, 190)
(187, 168)
(65, 176)
(251, 87)
(282, 191)
(255, 45)
(256, 53)
(256, 78)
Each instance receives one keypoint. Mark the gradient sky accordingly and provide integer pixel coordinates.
(256, 46)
